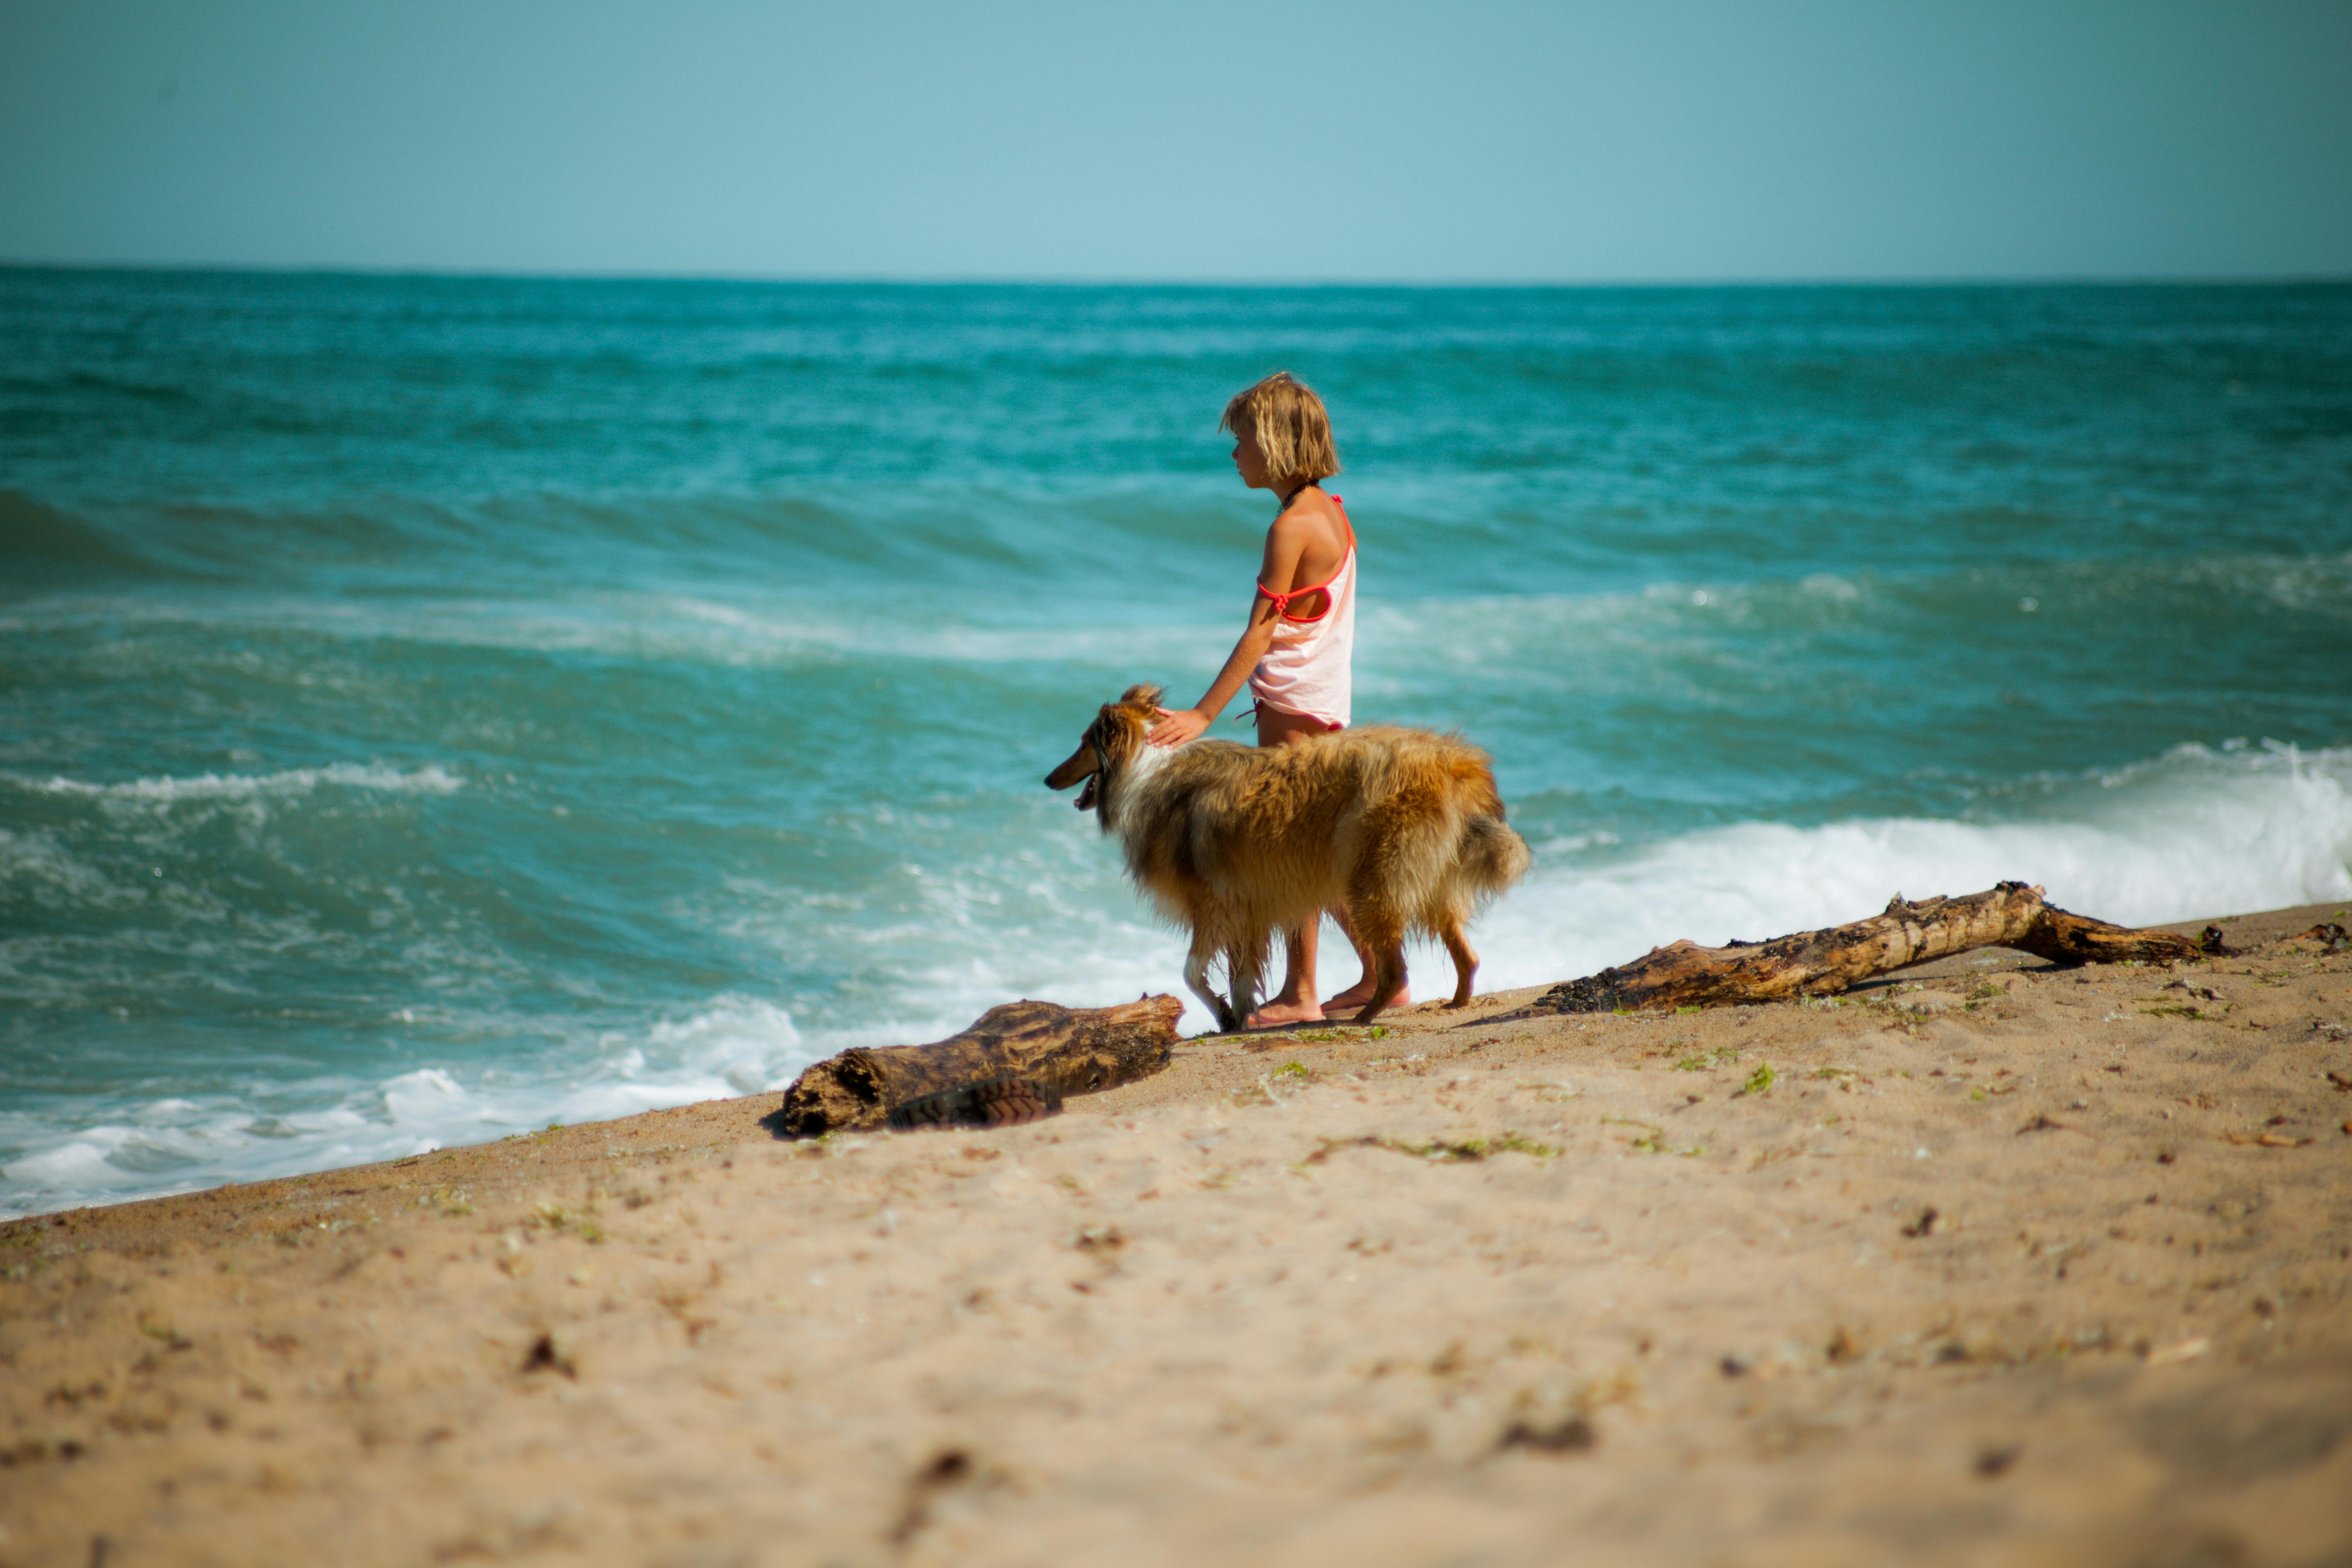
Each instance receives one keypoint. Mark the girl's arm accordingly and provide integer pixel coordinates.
(1177, 726)
(1285, 541)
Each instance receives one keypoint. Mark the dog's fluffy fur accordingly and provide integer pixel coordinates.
(1400, 828)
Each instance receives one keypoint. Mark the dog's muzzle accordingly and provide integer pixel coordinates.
(1090, 790)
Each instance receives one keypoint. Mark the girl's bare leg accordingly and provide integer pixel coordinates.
(1295, 1003)
(1360, 994)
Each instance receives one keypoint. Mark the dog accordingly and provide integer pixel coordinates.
(1400, 828)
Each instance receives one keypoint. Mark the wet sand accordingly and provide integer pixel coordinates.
(1993, 1263)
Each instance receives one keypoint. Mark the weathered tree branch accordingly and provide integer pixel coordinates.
(1824, 963)
(1035, 1048)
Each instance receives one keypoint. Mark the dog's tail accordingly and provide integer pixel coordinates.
(1493, 856)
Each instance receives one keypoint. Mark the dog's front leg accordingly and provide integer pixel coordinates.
(1196, 980)
(1245, 976)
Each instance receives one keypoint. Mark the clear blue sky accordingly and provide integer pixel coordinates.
(1473, 141)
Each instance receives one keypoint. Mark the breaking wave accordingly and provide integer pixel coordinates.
(429, 780)
(2197, 832)
(183, 1143)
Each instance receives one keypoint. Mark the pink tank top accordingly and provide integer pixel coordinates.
(1306, 671)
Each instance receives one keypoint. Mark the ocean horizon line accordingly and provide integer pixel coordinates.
(1918, 282)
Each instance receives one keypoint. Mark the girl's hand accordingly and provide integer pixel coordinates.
(1174, 727)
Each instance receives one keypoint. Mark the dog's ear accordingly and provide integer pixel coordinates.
(1146, 697)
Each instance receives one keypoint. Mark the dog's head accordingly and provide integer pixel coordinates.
(1111, 741)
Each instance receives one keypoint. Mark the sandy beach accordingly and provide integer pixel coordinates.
(1989, 1263)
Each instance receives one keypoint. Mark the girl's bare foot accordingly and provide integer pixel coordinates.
(1360, 994)
(1274, 1015)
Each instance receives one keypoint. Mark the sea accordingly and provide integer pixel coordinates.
(432, 708)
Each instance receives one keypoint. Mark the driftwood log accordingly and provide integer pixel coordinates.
(994, 1102)
(1825, 962)
(1023, 1051)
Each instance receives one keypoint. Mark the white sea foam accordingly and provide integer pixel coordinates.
(429, 780)
(36, 860)
(2194, 833)
(734, 1046)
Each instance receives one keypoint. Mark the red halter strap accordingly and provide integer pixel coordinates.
(1282, 601)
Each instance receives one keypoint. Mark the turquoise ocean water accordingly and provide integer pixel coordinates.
(433, 707)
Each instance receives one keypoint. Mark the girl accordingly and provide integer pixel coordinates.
(1294, 649)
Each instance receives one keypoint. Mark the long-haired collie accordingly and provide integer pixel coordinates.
(1402, 829)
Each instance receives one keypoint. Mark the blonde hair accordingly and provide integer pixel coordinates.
(1288, 423)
